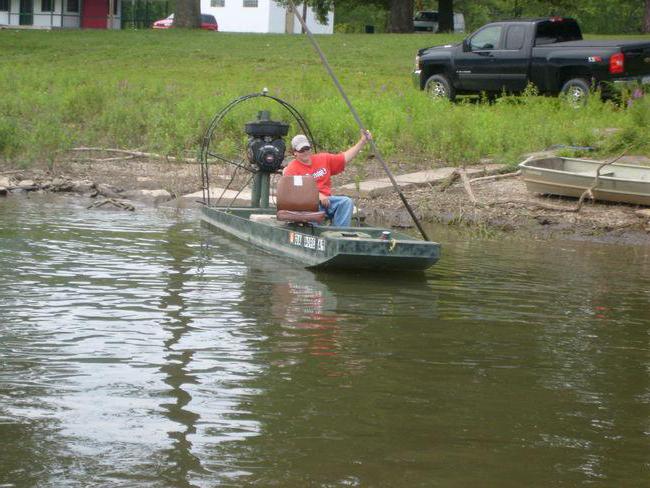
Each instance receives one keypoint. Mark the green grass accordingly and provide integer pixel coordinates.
(157, 91)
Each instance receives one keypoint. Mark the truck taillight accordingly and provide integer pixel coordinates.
(617, 63)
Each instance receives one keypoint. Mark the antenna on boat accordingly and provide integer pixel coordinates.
(357, 119)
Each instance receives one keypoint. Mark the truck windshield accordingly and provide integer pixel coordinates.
(550, 32)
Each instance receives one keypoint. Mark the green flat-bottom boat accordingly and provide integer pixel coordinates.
(314, 246)
(322, 247)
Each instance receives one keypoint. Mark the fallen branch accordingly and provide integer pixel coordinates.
(450, 180)
(11, 172)
(24, 188)
(495, 177)
(136, 154)
(467, 186)
(543, 206)
(106, 160)
(589, 192)
(114, 202)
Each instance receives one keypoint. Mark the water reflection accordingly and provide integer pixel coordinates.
(181, 462)
(319, 398)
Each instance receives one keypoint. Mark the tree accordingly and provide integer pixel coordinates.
(400, 12)
(646, 18)
(187, 14)
(445, 15)
(320, 7)
(401, 16)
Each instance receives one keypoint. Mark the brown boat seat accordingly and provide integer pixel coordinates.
(297, 200)
(305, 217)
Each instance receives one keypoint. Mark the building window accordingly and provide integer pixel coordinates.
(250, 3)
(4, 5)
(72, 6)
(217, 3)
(46, 5)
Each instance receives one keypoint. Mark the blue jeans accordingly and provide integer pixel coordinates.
(339, 211)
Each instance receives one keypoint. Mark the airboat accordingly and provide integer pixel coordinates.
(292, 233)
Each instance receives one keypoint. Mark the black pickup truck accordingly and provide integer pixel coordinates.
(549, 53)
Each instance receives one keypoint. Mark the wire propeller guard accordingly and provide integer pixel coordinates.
(210, 155)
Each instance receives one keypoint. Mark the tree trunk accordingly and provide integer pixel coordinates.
(187, 14)
(304, 15)
(401, 16)
(646, 18)
(445, 15)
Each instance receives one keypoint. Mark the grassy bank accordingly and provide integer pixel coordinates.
(157, 91)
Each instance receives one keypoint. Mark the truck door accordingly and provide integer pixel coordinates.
(475, 64)
(511, 63)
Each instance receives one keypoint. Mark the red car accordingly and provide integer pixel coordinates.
(208, 22)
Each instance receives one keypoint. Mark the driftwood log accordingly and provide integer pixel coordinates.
(112, 201)
(134, 154)
(495, 177)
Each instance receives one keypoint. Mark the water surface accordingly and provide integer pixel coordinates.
(139, 349)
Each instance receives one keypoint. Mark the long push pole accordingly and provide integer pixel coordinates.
(358, 119)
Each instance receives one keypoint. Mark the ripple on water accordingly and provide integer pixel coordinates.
(137, 348)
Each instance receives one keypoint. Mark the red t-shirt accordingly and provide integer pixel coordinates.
(322, 167)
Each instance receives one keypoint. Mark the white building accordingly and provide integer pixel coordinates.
(87, 14)
(264, 16)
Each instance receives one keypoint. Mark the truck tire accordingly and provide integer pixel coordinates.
(576, 92)
(439, 86)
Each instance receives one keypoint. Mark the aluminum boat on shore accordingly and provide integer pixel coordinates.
(571, 177)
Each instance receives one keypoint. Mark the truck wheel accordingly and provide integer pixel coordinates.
(438, 86)
(576, 92)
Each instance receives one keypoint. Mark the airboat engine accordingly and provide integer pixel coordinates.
(266, 147)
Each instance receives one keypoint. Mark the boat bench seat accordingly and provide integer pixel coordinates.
(593, 173)
(297, 200)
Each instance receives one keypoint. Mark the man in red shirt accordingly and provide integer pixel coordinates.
(322, 166)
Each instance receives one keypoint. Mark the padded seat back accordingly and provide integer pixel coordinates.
(297, 193)
(297, 200)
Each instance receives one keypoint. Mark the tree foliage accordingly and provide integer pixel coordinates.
(320, 7)
(595, 16)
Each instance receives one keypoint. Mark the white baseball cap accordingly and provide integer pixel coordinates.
(300, 142)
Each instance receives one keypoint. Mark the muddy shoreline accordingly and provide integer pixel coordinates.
(504, 207)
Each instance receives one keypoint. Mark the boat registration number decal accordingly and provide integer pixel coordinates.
(308, 242)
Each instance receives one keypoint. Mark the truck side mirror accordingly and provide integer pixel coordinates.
(466, 46)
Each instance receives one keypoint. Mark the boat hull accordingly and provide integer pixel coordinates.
(323, 246)
(571, 177)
